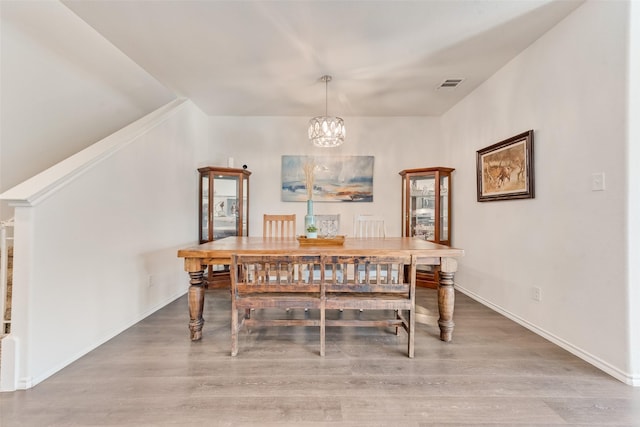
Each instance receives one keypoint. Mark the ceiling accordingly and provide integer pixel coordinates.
(265, 58)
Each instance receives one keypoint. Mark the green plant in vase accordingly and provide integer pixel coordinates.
(312, 232)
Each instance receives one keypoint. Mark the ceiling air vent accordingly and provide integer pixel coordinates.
(450, 83)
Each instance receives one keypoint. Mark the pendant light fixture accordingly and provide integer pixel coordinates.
(325, 131)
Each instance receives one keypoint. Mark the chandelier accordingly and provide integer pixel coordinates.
(326, 131)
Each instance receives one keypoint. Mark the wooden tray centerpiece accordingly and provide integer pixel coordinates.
(321, 241)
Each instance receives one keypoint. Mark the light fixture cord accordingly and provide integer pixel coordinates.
(326, 96)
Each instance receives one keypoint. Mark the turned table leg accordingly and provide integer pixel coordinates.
(446, 298)
(196, 304)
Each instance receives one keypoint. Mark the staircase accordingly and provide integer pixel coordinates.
(6, 280)
(6, 318)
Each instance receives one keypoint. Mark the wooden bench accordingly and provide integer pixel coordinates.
(371, 283)
(273, 281)
(345, 282)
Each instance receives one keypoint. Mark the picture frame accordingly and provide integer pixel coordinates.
(505, 169)
(327, 178)
(232, 207)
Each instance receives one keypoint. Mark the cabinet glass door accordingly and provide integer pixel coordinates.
(225, 206)
(444, 208)
(245, 206)
(422, 207)
(204, 206)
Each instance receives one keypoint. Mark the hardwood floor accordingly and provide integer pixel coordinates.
(493, 373)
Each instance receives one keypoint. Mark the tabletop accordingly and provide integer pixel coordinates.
(228, 246)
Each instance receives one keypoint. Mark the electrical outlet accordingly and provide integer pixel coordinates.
(597, 181)
(536, 294)
(151, 281)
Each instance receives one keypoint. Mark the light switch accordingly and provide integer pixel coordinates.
(597, 181)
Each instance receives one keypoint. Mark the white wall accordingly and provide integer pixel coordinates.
(259, 142)
(570, 88)
(98, 252)
(63, 88)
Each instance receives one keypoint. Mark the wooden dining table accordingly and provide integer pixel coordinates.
(219, 252)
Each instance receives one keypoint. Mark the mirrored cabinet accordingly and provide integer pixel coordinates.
(224, 210)
(426, 211)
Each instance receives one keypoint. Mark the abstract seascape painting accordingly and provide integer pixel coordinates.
(329, 178)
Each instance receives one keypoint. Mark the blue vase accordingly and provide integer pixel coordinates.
(309, 218)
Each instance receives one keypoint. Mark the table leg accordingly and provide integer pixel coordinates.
(446, 298)
(196, 304)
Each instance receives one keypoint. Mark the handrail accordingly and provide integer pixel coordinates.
(4, 267)
(37, 188)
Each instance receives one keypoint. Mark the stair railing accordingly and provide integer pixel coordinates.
(4, 269)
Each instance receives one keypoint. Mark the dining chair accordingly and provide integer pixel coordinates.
(369, 226)
(282, 226)
(328, 224)
(279, 225)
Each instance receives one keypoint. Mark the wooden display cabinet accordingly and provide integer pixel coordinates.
(426, 212)
(224, 211)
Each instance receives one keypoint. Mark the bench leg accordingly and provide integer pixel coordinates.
(412, 328)
(397, 313)
(322, 329)
(234, 329)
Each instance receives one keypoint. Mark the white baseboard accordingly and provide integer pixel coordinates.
(576, 351)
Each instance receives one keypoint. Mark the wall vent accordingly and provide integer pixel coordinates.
(450, 83)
